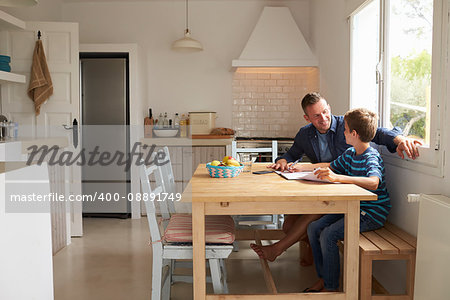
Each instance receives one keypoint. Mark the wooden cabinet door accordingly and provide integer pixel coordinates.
(202, 155)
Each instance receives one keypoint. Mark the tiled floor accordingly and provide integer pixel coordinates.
(113, 261)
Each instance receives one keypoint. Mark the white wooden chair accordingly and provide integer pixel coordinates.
(266, 221)
(164, 253)
(274, 150)
(168, 178)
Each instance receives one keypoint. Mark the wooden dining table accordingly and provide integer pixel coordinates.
(253, 194)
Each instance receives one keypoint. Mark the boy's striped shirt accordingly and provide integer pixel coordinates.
(367, 164)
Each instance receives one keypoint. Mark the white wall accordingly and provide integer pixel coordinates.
(330, 42)
(180, 82)
(330, 36)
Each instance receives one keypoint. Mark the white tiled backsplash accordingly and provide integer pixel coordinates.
(266, 101)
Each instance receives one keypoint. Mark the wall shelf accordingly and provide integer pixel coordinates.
(8, 77)
(9, 22)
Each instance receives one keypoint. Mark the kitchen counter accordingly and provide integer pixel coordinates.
(186, 142)
(26, 231)
(16, 150)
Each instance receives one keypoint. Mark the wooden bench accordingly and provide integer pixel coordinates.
(387, 243)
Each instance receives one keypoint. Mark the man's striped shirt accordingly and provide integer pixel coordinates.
(367, 164)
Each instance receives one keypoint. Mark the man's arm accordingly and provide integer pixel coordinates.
(395, 141)
(294, 153)
(281, 163)
(410, 146)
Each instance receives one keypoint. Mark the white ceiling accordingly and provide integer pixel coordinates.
(87, 1)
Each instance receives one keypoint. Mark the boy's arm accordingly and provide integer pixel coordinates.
(309, 167)
(369, 183)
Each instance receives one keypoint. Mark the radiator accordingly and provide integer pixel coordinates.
(433, 249)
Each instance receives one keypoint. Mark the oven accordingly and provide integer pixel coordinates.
(284, 144)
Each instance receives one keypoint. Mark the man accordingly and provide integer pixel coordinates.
(323, 140)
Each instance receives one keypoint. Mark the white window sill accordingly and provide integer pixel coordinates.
(429, 162)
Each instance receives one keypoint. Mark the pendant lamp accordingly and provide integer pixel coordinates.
(15, 3)
(187, 43)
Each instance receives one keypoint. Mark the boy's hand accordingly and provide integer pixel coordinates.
(326, 174)
(297, 168)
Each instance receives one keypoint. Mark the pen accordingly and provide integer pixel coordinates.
(293, 164)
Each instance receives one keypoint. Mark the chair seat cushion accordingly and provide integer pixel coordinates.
(218, 229)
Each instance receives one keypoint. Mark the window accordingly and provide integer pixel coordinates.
(365, 57)
(397, 67)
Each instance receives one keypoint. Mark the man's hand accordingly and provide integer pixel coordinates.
(409, 145)
(326, 174)
(281, 165)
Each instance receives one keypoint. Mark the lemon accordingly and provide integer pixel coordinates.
(233, 162)
(226, 158)
(215, 163)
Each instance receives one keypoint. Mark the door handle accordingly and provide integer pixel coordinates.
(75, 133)
(74, 129)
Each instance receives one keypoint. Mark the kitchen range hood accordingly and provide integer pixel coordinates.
(276, 41)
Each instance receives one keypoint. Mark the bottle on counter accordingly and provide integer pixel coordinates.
(188, 127)
(16, 129)
(165, 121)
(11, 126)
(148, 124)
(160, 120)
(183, 126)
(176, 120)
(3, 130)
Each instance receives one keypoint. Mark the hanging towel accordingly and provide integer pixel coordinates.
(41, 87)
(5, 58)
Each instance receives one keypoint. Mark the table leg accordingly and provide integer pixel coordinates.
(198, 243)
(351, 250)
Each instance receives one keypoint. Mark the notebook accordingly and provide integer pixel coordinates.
(301, 175)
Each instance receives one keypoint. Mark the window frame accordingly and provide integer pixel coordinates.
(431, 159)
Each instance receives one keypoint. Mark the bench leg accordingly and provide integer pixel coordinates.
(365, 277)
(410, 273)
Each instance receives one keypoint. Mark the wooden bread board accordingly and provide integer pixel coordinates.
(211, 136)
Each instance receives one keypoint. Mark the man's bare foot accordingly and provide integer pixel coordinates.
(316, 287)
(267, 252)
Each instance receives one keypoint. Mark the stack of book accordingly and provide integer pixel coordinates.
(4, 63)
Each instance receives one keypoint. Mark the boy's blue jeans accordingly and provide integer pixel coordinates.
(323, 236)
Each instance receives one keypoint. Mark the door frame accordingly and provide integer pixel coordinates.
(134, 102)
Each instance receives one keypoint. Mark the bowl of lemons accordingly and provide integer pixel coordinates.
(227, 168)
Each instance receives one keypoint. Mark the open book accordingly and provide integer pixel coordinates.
(301, 175)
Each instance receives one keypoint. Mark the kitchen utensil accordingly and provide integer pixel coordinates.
(161, 132)
(202, 122)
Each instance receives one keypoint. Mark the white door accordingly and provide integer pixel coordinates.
(60, 41)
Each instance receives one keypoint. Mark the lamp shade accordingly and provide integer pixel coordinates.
(13, 3)
(187, 43)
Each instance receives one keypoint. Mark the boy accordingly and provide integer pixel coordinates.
(361, 165)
